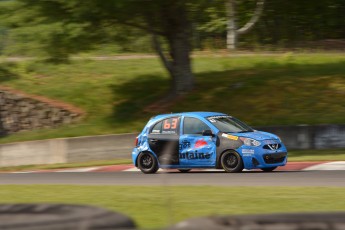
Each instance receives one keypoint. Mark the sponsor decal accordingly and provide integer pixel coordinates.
(220, 116)
(168, 132)
(194, 155)
(184, 145)
(231, 137)
(156, 131)
(248, 151)
(200, 143)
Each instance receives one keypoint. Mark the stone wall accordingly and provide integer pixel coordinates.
(20, 112)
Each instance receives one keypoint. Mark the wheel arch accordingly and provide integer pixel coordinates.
(145, 151)
(218, 163)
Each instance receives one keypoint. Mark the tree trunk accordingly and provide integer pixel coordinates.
(180, 69)
(232, 31)
(177, 33)
(231, 36)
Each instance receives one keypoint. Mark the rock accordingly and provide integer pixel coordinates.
(21, 113)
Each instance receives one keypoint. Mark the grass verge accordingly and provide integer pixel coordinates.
(260, 90)
(157, 207)
(317, 155)
(67, 165)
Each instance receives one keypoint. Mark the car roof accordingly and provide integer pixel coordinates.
(198, 114)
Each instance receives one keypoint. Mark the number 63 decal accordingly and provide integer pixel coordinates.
(170, 123)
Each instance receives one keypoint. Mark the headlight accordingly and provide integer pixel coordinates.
(250, 142)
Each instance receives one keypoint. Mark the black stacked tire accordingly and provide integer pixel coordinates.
(290, 221)
(60, 217)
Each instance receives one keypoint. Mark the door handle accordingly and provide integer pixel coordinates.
(153, 140)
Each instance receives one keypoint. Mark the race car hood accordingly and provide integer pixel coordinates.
(257, 135)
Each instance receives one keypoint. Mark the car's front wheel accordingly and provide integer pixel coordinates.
(147, 163)
(231, 161)
(270, 169)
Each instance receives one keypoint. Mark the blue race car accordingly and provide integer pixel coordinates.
(190, 140)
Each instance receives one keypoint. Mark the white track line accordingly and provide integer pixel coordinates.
(131, 170)
(88, 169)
(337, 165)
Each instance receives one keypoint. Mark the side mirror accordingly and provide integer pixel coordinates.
(207, 132)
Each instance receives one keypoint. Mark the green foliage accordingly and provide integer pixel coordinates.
(290, 22)
(55, 29)
(283, 23)
(58, 28)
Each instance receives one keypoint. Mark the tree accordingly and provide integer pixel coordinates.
(232, 31)
(63, 27)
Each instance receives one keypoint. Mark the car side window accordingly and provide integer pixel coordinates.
(157, 128)
(167, 126)
(194, 126)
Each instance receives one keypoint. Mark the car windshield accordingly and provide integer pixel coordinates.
(228, 124)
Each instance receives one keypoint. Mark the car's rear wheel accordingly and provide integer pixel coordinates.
(184, 170)
(231, 161)
(270, 169)
(147, 163)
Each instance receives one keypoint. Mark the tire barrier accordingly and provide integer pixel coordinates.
(61, 217)
(295, 221)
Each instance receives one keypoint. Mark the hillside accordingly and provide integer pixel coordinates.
(260, 90)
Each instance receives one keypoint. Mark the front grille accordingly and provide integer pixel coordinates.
(274, 158)
(272, 146)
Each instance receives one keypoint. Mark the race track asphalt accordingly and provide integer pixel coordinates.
(216, 178)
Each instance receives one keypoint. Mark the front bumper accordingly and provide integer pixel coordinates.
(260, 157)
(135, 154)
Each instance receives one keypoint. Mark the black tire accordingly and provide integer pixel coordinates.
(270, 169)
(292, 221)
(231, 161)
(147, 163)
(184, 170)
(61, 217)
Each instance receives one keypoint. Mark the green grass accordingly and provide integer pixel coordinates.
(157, 207)
(67, 165)
(317, 155)
(260, 90)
